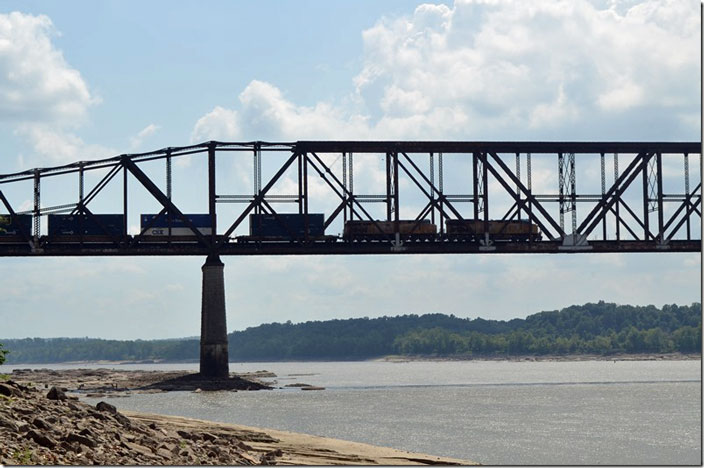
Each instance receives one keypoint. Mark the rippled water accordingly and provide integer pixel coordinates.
(593, 412)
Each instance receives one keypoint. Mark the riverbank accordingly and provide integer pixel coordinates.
(414, 357)
(547, 357)
(53, 427)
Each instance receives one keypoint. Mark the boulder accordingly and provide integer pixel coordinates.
(139, 449)
(81, 439)
(163, 453)
(122, 419)
(107, 407)
(39, 423)
(8, 424)
(56, 394)
(8, 390)
(184, 434)
(41, 439)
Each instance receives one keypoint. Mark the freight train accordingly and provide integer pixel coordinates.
(284, 227)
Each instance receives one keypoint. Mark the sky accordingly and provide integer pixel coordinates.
(84, 80)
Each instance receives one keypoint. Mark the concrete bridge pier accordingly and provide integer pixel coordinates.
(213, 329)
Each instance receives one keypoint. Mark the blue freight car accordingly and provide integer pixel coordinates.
(286, 225)
(160, 225)
(100, 225)
(8, 229)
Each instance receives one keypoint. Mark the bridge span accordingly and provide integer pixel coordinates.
(355, 197)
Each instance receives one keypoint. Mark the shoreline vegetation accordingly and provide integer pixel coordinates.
(44, 422)
(399, 358)
(594, 329)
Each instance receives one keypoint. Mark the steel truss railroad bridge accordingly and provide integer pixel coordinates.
(641, 210)
(631, 214)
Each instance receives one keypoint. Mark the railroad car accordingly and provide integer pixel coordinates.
(85, 228)
(502, 231)
(286, 227)
(10, 232)
(382, 230)
(174, 228)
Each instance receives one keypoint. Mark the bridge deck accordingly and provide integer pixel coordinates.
(342, 248)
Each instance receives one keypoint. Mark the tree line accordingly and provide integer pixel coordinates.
(593, 328)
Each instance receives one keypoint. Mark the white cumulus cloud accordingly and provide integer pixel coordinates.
(36, 82)
(54, 146)
(502, 70)
(218, 124)
(137, 140)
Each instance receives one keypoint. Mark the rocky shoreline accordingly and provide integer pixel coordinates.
(42, 421)
(124, 382)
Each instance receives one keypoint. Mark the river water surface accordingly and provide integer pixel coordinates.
(493, 412)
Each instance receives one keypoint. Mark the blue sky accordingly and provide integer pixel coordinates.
(84, 80)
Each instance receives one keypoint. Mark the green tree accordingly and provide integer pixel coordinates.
(3, 352)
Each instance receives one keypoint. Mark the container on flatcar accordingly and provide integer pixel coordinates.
(286, 225)
(359, 229)
(499, 230)
(76, 225)
(10, 229)
(160, 226)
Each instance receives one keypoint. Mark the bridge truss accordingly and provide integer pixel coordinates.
(629, 204)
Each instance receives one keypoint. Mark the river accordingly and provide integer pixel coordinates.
(493, 412)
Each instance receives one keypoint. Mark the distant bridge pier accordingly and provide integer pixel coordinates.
(213, 331)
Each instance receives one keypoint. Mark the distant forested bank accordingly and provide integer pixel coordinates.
(601, 328)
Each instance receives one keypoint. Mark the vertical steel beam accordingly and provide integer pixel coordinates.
(603, 191)
(432, 188)
(646, 203)
(618, 196)
(305, 194)
(441, 189)
(124, 199)
(396, 194)
(530, 189)
(389, 182)
(81, 184)
(686, 192)
(212, 196)
(344, 186)
(351, 189)
(475, 183)
(37, 204)
(573, 190)
(661, 232)
(561, 188)
(168, 189)
(518, 188)
(257, 174)
(300, 183)
(485, 194)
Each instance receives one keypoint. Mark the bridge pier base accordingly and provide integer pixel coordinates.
(213, 329)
